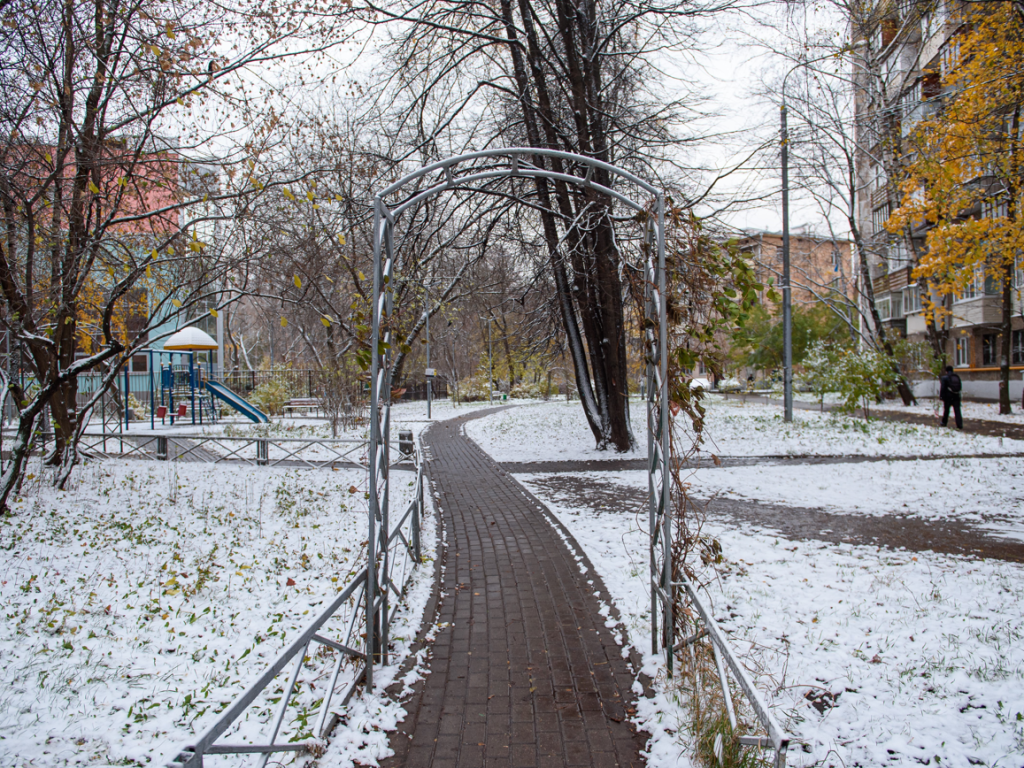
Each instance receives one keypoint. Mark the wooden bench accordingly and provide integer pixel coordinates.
(302, 405)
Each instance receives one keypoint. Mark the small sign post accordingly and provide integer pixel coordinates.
(430, 379)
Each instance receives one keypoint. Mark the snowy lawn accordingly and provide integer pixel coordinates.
(557, 431)
(869, 656)
(141, 601)
(986, 492)
(550, 431)
(735, 428)
(926, 406)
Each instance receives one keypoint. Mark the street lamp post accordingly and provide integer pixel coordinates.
(787, 295)
(490, 363)
(430, 371)
(787, 298)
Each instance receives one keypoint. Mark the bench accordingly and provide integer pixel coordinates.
(302, 405)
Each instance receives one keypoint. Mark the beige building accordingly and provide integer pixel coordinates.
(819, 266)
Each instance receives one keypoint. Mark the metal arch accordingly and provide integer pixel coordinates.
(656, 335)
(516, 169)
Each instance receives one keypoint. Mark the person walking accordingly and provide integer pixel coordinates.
(949, 393)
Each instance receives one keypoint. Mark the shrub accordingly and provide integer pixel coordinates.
(473, 390)
(270, 396)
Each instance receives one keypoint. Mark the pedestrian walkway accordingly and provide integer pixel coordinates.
(523, 671)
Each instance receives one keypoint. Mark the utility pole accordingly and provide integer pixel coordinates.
(787, 294)
(787, 298)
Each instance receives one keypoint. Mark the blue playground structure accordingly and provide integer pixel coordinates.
(185, 388)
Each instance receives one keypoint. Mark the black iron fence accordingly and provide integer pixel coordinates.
(417, 390)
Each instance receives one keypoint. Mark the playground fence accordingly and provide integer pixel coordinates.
(256, 450)
(355, 643)
(299, 382)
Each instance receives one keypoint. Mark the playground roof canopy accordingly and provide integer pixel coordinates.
(188, 339)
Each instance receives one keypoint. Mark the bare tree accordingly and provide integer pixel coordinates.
(110, 207)
(550, 74)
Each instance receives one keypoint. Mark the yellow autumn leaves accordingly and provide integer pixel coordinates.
(978, 135)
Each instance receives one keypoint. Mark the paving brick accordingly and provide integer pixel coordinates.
(511, 680)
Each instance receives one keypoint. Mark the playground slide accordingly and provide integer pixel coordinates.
(237, 402)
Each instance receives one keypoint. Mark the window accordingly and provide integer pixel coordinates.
(896, 305)
(884, 306)
(1017, 347)
(961, 357)
(139, 363)
(994, 209)
(990, 349)
(950, 56)
(980, 285)
(911, 299)
(897, 255)
(878, 218)
(837, 258)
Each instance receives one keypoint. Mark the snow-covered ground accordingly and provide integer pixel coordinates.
(555, 431)
(971, 410)
(926, 406)
(735, 428)
(921, 654)
(141, 601)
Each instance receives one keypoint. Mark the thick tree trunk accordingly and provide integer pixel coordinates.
(1004, 341)
(906, 394)
(592, 298)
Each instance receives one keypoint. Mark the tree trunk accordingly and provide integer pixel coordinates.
(593, 297)
(1006, 333)
(906, 394)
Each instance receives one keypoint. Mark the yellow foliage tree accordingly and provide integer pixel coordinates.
(965, 181)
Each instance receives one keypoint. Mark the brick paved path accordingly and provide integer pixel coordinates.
(523, 672)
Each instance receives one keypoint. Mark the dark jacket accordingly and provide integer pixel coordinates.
(949, 388)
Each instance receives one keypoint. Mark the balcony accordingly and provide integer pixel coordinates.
(981, 310)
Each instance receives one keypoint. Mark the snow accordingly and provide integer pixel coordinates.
(550, 431)
(937, 489)
(746, 429)
(922, 654)
(555, 431)
(142, 600)
(926, 406)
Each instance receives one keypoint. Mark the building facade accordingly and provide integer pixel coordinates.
(899, 83)
(820, 266)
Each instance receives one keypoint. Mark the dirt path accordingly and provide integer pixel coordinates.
(796, 523)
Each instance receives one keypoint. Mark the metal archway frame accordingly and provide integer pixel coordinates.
(379, 586)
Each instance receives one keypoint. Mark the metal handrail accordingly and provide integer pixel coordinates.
(361, 587)
(726, 661)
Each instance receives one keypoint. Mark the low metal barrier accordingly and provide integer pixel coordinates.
(364, 642)
(726, 662)
(257, 451)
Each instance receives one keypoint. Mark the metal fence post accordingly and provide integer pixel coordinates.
(417, 511)
(161, 448)
(262, 452)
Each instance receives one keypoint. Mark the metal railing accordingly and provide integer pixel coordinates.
(726, 662)
(312, 453)
(364, 648)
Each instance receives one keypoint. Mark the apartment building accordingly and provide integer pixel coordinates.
(820, 266)
(900, 83)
